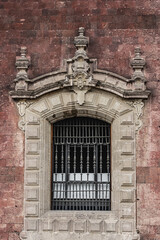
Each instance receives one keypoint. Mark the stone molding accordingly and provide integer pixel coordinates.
(40, 221)
(79, 74)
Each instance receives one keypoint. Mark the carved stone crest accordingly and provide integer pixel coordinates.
(22, 105)
(80, 75)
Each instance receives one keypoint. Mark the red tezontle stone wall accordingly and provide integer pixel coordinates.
(47, 28)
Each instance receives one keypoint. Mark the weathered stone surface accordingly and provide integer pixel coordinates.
(90, 223)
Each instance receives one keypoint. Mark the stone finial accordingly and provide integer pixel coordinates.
(81, 41)
(22, 65)
(81, 44)
(22, 62)
(79, 75)
(138, 64)
(80, 62)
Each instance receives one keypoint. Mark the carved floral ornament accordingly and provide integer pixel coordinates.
(79, 75)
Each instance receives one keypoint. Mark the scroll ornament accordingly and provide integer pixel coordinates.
(138, 109)
(22, 105)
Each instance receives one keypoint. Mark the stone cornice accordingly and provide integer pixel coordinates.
(78, 74)
(101, 79)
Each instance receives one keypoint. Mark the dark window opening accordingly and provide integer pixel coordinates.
(81, 165)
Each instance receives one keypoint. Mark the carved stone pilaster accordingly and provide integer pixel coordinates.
(22, 105)
(138, 64)
(138, 105)
(138, 109)
(22, 65)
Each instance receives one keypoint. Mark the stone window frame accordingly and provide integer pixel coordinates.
(79, 89)
(39, 116)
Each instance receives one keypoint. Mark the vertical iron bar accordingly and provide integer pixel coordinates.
(74, 177)
(56, 165)
(88, 184)
(81, 168)
(68, 173)
(101, 183)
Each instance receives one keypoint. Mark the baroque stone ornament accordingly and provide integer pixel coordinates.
(138, 105)
(22, 105)
(79, 89)
(79, 75)
(138, 109)
(138, 64)
(22, 65)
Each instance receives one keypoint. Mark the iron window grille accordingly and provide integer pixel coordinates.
(81, 165)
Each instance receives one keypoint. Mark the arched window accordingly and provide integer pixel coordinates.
(81, 165)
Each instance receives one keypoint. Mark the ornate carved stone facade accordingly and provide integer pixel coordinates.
(80, 89)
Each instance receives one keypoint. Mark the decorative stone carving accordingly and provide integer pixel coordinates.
(79, 75)
(22, 65)
(99, 94)
(138, 106)
(39, 117)
(81, 95)
(22, 105)
(138, 64)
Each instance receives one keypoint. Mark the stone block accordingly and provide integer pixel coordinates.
(32, 194)
(55, 101)
(95, 226)
(127, 179)
(31, 209)
(128, 148)
(33, 132)
(127, 226)
(127, 195)
(110, 226)
(127, 211)
(64, 225)
(31, 224)
(40, 107)
(80, 226)
(116, 105)
(32, 178)
(32, 119)
(104, 100)
(127, 164)
(90, 97)
(47, 225)
(67, 98)
(32, 147)
(32, 162)
(127, 119)
(127, 132)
